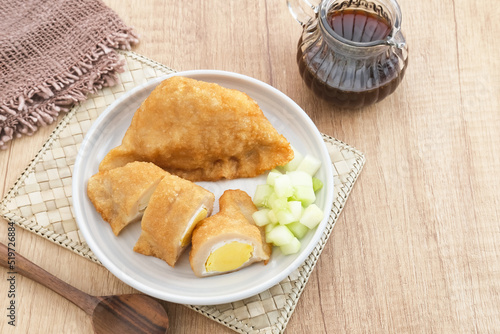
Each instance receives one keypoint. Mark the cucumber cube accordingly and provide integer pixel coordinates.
(272, 217)
(309, 165)
(283, 186)
(260, 217)
(317, 184)
(270, 226)
(300, 178)
(291, 248)
(304, 194)
(285, 217)
(296, 209)
(312, 216)
(298, 229)
(278, 204)
(294, 163)
(268, 239)
(271, 177)
(262, 194)
(280, 235)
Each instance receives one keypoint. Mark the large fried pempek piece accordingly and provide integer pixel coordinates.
(229, 240)
(201, 131)
(122, 194)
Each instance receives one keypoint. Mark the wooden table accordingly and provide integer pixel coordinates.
(417, 247)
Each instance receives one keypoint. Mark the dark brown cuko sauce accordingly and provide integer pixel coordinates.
(368, 81)
(358, 25)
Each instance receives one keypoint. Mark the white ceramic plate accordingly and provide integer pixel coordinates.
(153, 276)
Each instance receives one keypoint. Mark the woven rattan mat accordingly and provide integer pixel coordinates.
(40, 201)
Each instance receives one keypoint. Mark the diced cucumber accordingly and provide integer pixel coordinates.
(286, 209)
(317, 184)
(292, 247)
(271, 199)
(296, 209)
(304, 194)
(268, 239)
(309, 165)
(294, 163)
(298, 229)
(285, 217)
(261, 218)
(272, 217)
(262, 194)
(270, 226)
(300, 178)
(312, 216)
(280, 235)
(271, 177)
(278, 203)
(283, 186)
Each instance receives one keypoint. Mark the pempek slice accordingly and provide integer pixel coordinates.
(122, 194)
(228, 240)
(174, 209)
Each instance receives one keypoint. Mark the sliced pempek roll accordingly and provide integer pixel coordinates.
(121, 194)
(174, 209)
(228, 240)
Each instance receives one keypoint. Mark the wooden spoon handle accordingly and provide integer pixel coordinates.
(19, 264)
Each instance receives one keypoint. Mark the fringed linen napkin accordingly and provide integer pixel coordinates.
(53, 53)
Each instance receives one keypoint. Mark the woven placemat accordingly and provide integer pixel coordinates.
(40, 201)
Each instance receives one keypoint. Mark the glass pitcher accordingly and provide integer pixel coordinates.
(351, 52)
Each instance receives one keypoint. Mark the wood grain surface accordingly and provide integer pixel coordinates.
(417, 247)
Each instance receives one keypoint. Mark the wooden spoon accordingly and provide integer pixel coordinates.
(132, 313)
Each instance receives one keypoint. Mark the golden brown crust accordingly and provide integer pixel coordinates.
(202, 132)
(172, 205)
(116, 193)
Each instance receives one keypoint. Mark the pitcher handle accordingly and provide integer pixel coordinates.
(296, 8)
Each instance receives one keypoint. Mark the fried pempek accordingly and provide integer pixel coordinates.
(201, 132)
(229, 240)
(174, 210)
(122, 194)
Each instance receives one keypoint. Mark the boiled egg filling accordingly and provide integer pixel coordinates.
(229, 257)
(199, 215)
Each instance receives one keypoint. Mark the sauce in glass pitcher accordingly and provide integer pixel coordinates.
(337, 61)
(358, 25)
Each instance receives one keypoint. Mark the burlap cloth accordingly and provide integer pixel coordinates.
(53, 53)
